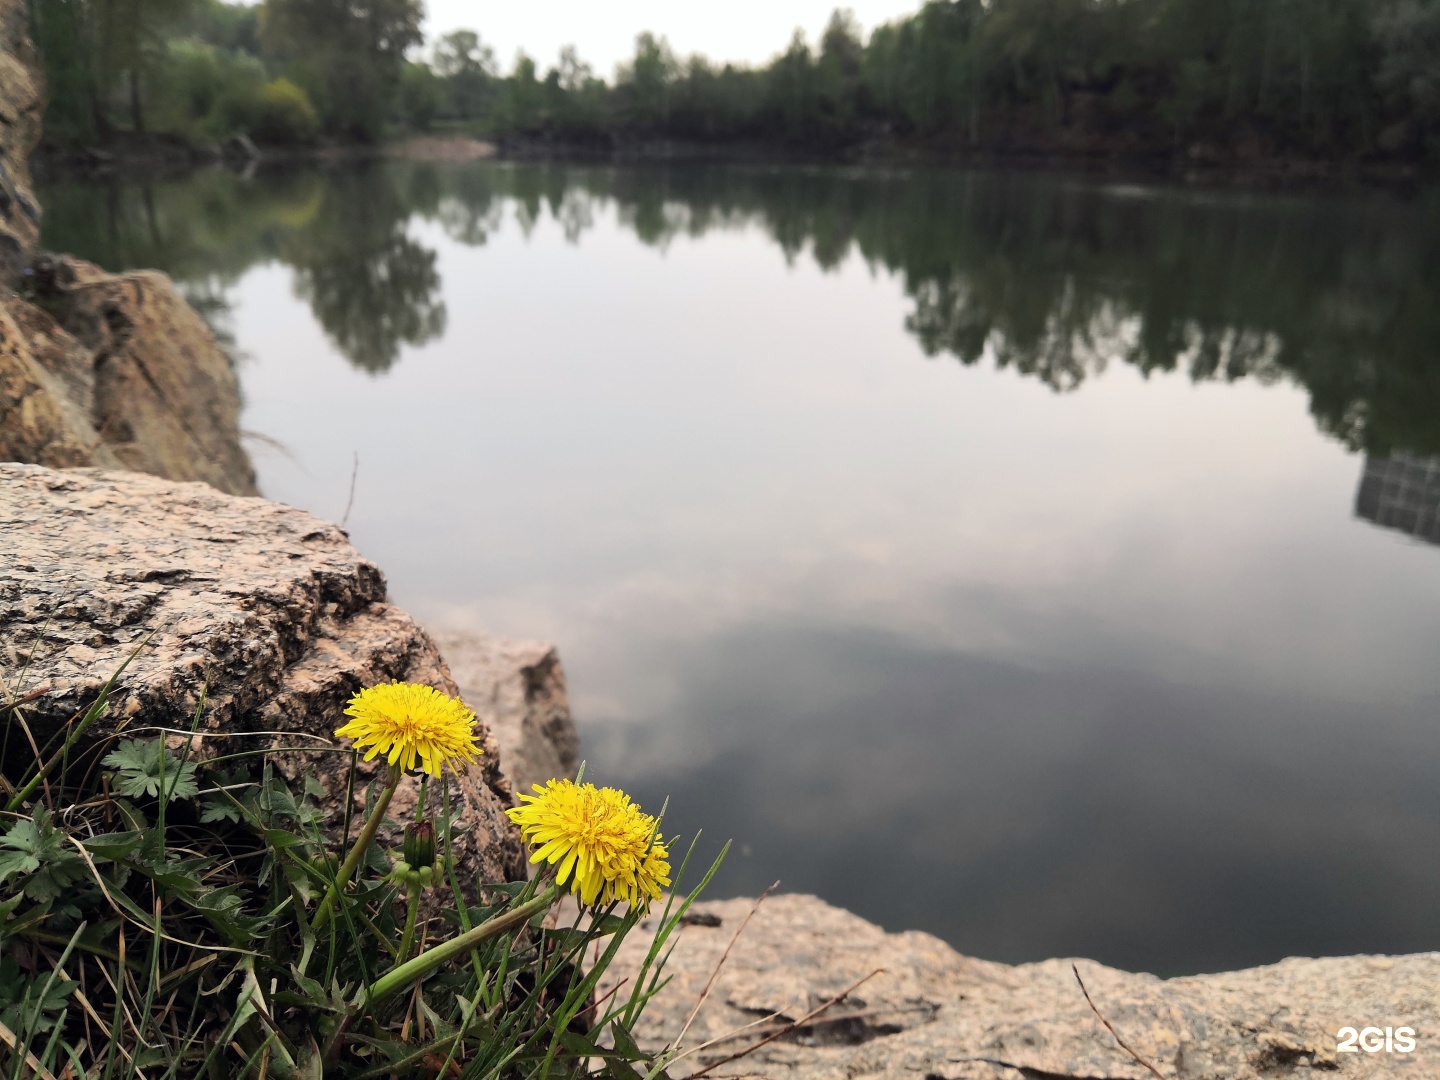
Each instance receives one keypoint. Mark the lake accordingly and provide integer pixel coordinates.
(1048, 563)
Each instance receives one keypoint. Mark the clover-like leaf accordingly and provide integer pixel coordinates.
(21, 859)
(22, 1005)
(38, 852)
(219, 808)
(143, 765)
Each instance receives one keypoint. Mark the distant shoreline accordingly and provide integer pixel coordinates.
(1262, 173)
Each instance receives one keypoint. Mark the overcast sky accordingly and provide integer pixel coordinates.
(741, 30)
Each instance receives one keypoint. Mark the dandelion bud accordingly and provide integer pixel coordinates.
(419, 846)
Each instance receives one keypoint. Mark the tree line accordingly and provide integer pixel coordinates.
(1202, 79)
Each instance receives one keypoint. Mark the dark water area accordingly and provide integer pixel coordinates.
(1048, 564)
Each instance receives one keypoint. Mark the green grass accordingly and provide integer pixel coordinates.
(157, 922)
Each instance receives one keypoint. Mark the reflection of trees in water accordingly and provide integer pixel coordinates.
(1060, 346)
(205, 229)
(469, 224)
(371, 285)
(1047, 276)
(210, 299)
(1055, 278)
(372, 301)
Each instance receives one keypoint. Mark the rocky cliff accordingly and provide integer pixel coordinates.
(269, 610)
(22, 100)
(116, 370)
(927, 1013)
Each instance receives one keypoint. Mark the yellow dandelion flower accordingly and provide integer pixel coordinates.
(404, 721)
(599, 840)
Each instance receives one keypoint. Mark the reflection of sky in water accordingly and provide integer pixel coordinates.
(1112, 673)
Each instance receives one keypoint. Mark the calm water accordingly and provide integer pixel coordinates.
(1037, 562)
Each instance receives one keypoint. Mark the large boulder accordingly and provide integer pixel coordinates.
(928, 1013)
(22, 100)
(267, 608)
(518, 688)
(117, 370)
(141, 366)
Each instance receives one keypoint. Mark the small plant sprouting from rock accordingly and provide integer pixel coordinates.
(163, 917)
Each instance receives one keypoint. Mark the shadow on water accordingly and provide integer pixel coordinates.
(1019, 813)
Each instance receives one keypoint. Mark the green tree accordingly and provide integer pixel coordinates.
(96, 48)
(226, 26)
(524, 96)
(468, 67)
(643, 86)
(1408, 36)
(422, 96)
(285, 114)
(67, 33)
(793, 90)
(838, 73)
(354, 50)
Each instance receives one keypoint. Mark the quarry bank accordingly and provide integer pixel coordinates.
(130, 524)
(282, 620)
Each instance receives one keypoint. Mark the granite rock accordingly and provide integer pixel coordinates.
(268, 608)
(140, 371)
(44, 413)
(928, 1013)
(518, 689)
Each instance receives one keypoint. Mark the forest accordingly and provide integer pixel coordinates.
(1201, 81)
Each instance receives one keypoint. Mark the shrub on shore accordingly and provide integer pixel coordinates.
(285, 115)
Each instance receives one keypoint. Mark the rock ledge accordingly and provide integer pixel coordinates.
(932, 1014)
(268, 608)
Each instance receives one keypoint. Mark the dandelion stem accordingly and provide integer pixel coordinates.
(412, 906)
(404, 974)
(356, 853)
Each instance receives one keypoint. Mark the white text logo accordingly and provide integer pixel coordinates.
(1373, 1040)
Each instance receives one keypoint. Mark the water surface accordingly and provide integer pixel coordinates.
(1045, 563)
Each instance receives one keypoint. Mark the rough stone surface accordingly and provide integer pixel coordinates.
(140, 371)
(22, 100)
(44, 414)
(518, 689)
(269, 607)
(932, 1013)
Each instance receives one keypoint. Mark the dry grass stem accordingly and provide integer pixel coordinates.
(1110, 1028)
(710, 983)
(32, 1062)
(789, 1027)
